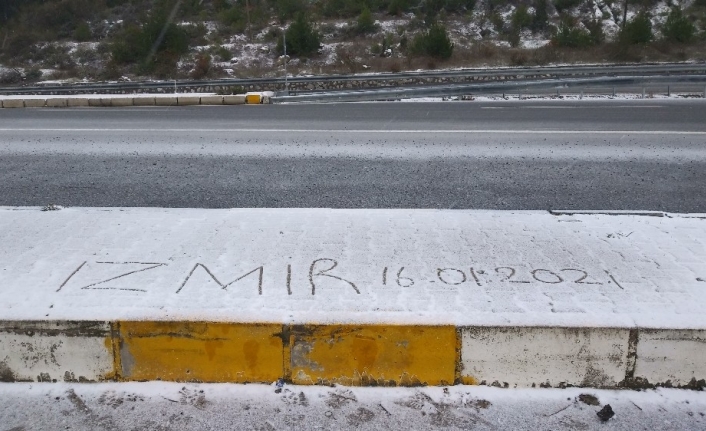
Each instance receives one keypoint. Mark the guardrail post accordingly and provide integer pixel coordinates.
(581, 95)
(613, 91)
(669, 93)
(643, 92)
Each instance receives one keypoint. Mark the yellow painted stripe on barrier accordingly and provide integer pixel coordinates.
(200, 352)
(253, 99)
(374, 355)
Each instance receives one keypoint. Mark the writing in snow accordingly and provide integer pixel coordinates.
(327, 268)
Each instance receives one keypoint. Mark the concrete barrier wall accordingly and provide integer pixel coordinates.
(118, 101)
(143, 101)
(166, 101)
(675, 356)
(534, 357)
(55, 351)
(235, 99)
(189, 100)
(77, 101)
(211, 100)
(14, 103)
(56, 102)
(368, 355)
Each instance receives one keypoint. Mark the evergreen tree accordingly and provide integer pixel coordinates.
(678, 28)
(541, 17)
(366, 23)
(302, 39)
(637, 31)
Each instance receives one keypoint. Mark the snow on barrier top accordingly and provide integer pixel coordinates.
(451, 267)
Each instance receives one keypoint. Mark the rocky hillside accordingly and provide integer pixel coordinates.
(132, 39)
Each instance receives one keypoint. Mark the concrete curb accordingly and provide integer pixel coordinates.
(359, 355)
(177, 100)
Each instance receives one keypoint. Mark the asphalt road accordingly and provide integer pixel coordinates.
(599, 155)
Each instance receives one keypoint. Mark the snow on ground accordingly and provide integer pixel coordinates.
(391, 26)
(531, 41)
(363, 266)
(187, 406)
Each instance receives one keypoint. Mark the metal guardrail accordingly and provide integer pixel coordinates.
(489, 88)
(506, 72)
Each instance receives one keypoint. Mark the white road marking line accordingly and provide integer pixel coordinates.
(356, 131)
(571, 107)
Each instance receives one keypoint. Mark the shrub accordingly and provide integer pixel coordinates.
(342, 8)
(562, 5)
(366, 23)
(572, 37)
(540, 20)
(430, 9)
(236, 89)
(497, 20)
(234, 18)
(288, 8)
(302, 39)
(521, 18)
(33, 74)
(434, 43)
(514, 37)
(85, 55)
(678, 28)
(223, 53)
(595, 31)
(135, 44)
(376, 49)
(637, 31)
(203, 66)
(518, 58)
(197, 33)
(19, 43)
(82, 32)
(458, 6)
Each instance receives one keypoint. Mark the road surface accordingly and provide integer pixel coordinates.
(599, 155)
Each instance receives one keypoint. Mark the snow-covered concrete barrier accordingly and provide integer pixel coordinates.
(127, 100)
(211, 100)
(56, 102)
(353, 297)
(144, 101)
(13, 103)
(166, 101)
(117, 101)
(234, 99)
(51, 351)
(35, 103)
(77, 101)
(189, 100)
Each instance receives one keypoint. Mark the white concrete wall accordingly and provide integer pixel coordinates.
(55, 351)
(674, 356)
(526, 357)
